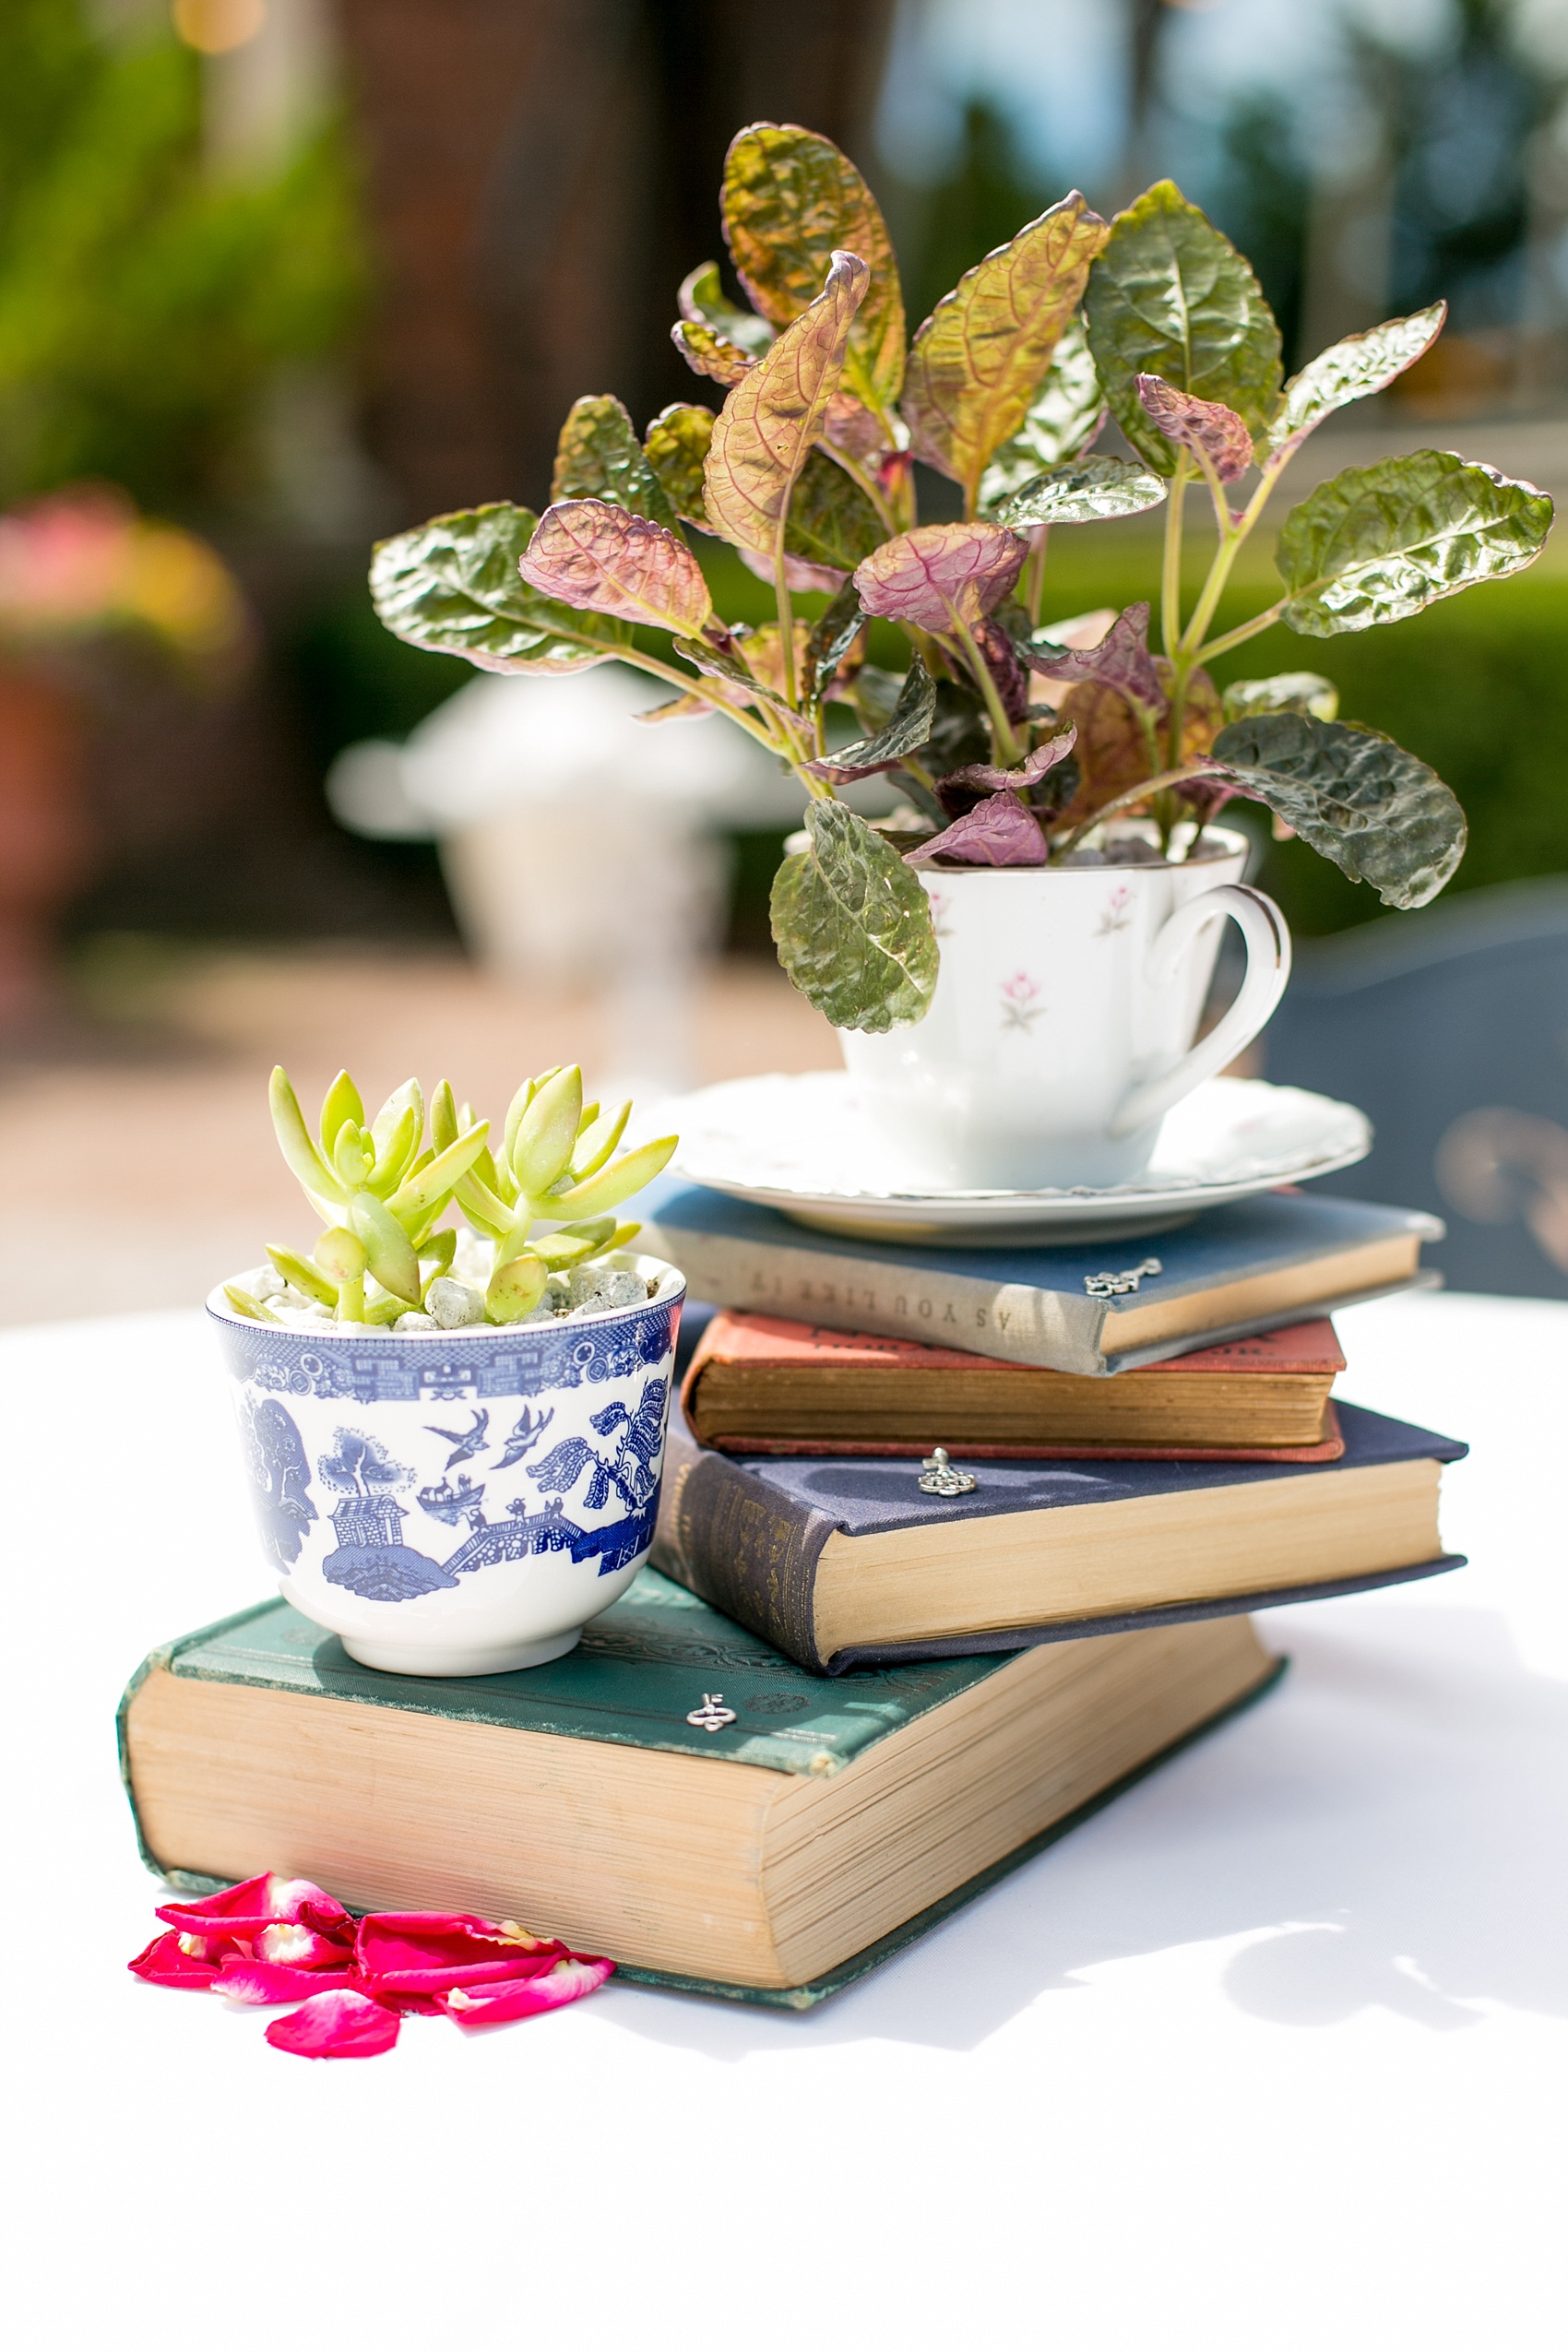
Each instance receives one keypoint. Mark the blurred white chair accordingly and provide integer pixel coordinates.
(581, 847)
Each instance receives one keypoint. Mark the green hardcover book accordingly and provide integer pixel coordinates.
(674, 1793)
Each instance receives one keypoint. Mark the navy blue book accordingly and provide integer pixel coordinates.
(849, 1562)
(1093, 1307)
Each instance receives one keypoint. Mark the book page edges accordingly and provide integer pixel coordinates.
(1078, 1561)
(1371, 1265)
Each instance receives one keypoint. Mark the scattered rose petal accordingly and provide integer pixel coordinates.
(259, 1984)
(293, 1945)
(166, 1961)
(429, 1952)
(258, 1902)
(336, 2025)
(569, 1980)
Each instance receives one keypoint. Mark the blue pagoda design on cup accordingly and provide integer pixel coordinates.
(458, 1503)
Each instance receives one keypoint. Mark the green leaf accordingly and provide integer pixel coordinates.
(1379, 543)
(541, 1150)
(612, 1185)
(453, 586)
(675, 449)
(702, 302)
(394, 1156)
(977, 363)
(516, 1288)
(764, 432)
(853, 925)
(598, 1139)
(302, 1275)
(1170, 297)
(1353, 795)
(1065, 416)
(418, 1195)
(591, 553)
(1300, 690)
(599, 455)
(833, 635)
(831, 519)
(341, 1103)
(907, 727)
(792, 200)
(295, 1143)
(1352, 370)
(1086, 490)
(389, 1252)
(243, 1304)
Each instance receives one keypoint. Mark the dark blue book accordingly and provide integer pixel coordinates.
(847, 1562)
(1093, 1307)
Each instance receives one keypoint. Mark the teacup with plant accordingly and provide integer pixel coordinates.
(1017, 741)
(541, 1235)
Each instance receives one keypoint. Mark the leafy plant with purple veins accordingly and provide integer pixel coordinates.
(545, 1200)
(1014, 740)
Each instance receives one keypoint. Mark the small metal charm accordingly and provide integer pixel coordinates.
(1116, 1286)
(939, 1476)
(712, 1715)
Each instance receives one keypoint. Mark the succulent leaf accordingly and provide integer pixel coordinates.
(302, 1275)
(389, 1255)
(516, 1288)
(543, 1152)
(350, 1157)
(396, 1147)
(595, 1143)
(341, 1254)
(341, 1103)
(408, 1097)
(444, 1128)
(419, 1194)
(295, 1143)
(610, 1186)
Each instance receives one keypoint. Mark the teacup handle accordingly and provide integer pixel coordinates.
(1268, 967)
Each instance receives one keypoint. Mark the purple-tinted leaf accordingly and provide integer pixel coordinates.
(983, 777)
(599, 455)
(1008, 673)
(766, 427)
(943, 576)
(1351, 370)
(977, 363)
(1000, 832)
(1121, 660)
(675, 445)
(850, 426)
(800, 577)
(907, 729)
(707, 352)
(1207, 427)
(592, 554)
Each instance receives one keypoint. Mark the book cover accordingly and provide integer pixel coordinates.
(1251, 1267)
(636, 1676)
(748, 1532)
(745, 1343)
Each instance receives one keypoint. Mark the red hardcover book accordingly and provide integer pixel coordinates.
(759, 1384)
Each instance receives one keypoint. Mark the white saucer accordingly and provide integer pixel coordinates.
(802, 1144)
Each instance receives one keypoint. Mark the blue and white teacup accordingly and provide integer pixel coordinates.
(458, 1502)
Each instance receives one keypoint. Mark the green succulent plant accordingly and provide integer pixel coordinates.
(381, 1190)
(1153, 318)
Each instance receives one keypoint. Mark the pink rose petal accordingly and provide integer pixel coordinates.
(569, 1980)
(429, 1951)
(259, 1903)
(260, 1984)
(291, 1944)
(166, 1961)
(336, 2025)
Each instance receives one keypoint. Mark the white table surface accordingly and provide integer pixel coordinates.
(1271, 2053)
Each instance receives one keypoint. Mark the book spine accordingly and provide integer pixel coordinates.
(1012, 1322)
(740, 1546)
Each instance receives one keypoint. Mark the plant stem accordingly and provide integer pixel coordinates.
(1232, 536)
(350, 1299)
(1007, 743)
(1171, 575)
(786, 626)
(1034, 572)
(1233, 637)
(687, 683)
(866, 483)
(1135, 793)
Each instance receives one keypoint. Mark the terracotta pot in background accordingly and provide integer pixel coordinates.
(46, 836)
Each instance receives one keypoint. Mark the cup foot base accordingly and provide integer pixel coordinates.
(401, 1658)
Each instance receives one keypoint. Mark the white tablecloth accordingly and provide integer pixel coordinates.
(1270, 2054)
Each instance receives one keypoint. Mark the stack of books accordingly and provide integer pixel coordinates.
(955, 1544)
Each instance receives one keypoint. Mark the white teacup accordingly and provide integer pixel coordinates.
(1061, 1027)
